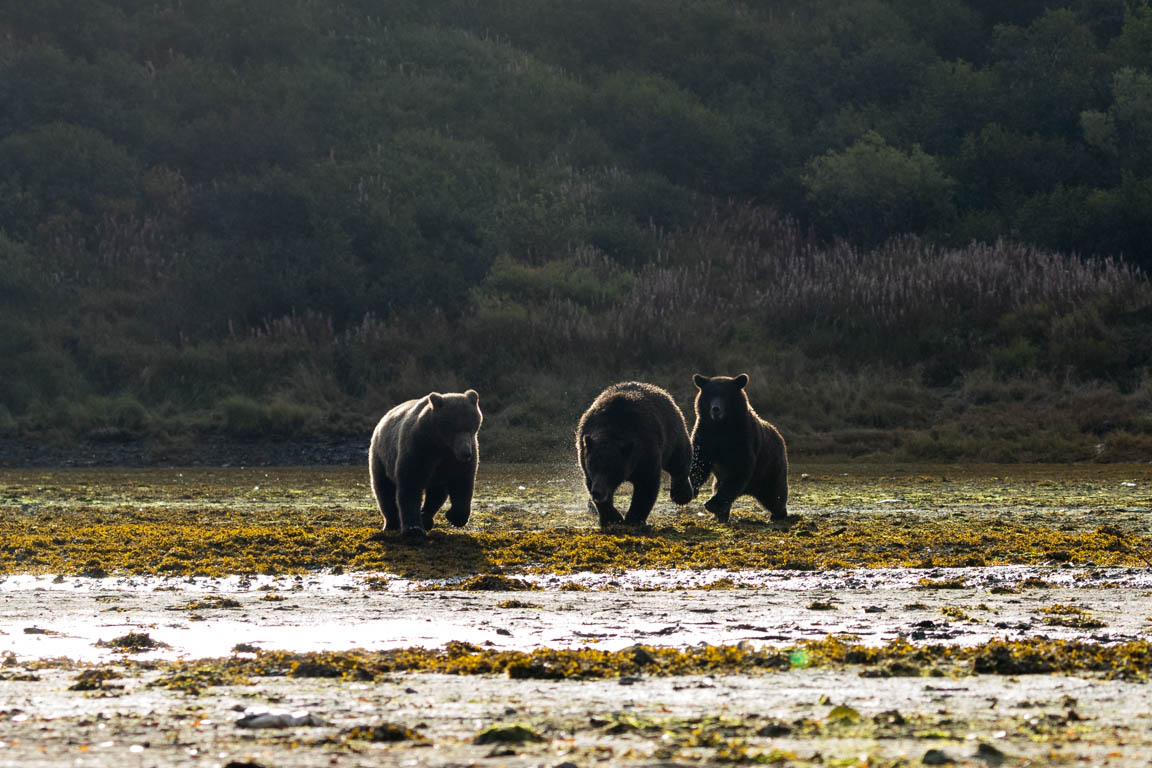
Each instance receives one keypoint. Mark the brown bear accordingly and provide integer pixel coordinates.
(629, 433)
(745, 453)
(425, 449)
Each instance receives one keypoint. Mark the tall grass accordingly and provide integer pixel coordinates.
(905, 350)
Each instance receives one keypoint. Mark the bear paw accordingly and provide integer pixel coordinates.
(414, 535)
(457, 518)
(428, 521)
(721, 510)
(682, 492)
(640, 526)
(608, 517)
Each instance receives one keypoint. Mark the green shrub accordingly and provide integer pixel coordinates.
(247, 418)
(872, 191)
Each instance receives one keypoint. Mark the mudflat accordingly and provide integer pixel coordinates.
(980, 615)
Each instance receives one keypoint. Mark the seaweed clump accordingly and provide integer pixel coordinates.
(1130, 661)
(384, 732)
(133, 642)
(95, 679)
(1061, 615)
(492, 582)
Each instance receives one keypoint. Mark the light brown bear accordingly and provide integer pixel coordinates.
(422, 452)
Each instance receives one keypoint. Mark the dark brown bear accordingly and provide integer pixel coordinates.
(628, 434)
(745, 453)
(426, 450)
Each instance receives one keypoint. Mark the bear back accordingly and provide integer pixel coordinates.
(633, 408)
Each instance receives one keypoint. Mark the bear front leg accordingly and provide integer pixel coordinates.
(700, 468)
(645, 487)
(408, 500)
(728, 488)
(779, 508)
(461, 509)
(607, 512)
(679, 468)
(720, 506)
(433, 499)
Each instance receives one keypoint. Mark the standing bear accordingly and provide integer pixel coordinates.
(629, 433)
(745, 453)
(426, 450)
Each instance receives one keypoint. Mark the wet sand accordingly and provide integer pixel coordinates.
(46, 617)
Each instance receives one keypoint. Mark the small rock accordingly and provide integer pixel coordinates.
(937, 757)
(772, 730)
(990, 754)
(279, 720)
(641, 656)
(506, 734)
(889, 717)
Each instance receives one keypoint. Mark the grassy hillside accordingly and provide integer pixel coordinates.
(277, 219)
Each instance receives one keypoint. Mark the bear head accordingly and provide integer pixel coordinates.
(609, 459)
(456, 419)
(720, 398)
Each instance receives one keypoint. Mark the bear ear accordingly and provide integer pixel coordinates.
(742, 380)
(699, 381)
(435, 399)
(473, 396)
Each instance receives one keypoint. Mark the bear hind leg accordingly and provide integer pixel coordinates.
(774, 497)
(645, 488)
(385, 492)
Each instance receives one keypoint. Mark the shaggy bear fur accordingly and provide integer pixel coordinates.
(628, 434)
(745, 453)
(425, 449)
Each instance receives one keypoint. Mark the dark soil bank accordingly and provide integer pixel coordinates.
(218, 452)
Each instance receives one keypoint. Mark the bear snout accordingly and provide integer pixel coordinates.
(462, 447)
(600, 492)
(716, 411)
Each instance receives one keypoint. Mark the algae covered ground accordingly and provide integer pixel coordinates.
(534, 519)
(906, 615)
